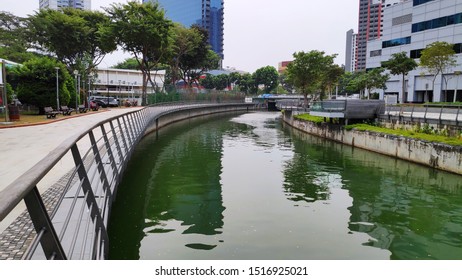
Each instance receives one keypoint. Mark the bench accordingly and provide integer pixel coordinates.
(82, 109)
(66, 110)
(50, 113)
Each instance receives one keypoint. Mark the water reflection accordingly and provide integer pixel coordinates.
(412, 211)
(241, 187)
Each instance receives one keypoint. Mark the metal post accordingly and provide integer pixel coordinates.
(50, 242)
(76, 91)
(5, 96)
(57, 89)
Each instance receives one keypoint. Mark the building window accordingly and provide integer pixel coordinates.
(396, 42)
(402, 19)
(420, 2)
(376, 53)
(418, 53)
(437, 23)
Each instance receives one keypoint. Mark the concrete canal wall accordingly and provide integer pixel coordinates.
(187, 113)
(436, 155)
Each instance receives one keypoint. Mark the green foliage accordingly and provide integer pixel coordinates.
(373, 79)
(73, 35)
(143, 31)
(268, 77)
(308, 71)
(310, 118)
(37, 83)
(410, 134)
(247, 84)
(13, 38)
(437, 57)
(129, 63)
(400, 64)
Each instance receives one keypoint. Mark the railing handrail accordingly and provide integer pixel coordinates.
(15, 192)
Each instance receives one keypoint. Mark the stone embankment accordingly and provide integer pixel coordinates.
(436, 155)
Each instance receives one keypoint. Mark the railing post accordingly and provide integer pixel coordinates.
(123, 134)
(41, 220)
(99, 163)
(90, 200)
(109, 151)
(116, 140)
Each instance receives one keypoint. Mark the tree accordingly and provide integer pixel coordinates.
(209, 81)
(13, 38)
(247, 84)
(143, 31)
(199, 58)
(185, 45)
(438, 57)
(306, 71)
(73, 35)
(375, 79)
(400, 64)
(37, 83)
(268, 77)
(331, 77)
(129, 63)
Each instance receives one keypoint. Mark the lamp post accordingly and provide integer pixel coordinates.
(76, 72)
(90, 76)
(57, 88)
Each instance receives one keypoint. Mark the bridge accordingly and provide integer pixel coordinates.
(69, 219)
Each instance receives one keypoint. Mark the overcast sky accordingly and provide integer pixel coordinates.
(261, 32)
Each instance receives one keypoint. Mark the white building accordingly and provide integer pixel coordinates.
(123, 84)
(350, 51)
(409, 27)
(59, 4)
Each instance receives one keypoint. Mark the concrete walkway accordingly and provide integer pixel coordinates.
(23, 147)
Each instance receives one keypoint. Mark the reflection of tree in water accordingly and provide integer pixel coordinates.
(164, 183)
(412, 211)
(312, 172)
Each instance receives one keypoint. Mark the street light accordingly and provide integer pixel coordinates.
(90, 76)
(57, 88)
(76, 72)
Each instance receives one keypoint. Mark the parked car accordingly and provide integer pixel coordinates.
(105, 101)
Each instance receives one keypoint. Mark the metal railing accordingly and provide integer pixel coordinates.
(436, 114)
(76, 227)
(329, 106)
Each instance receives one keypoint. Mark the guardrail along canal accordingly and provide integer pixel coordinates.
(244, 187)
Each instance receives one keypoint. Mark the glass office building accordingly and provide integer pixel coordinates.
(205, 13)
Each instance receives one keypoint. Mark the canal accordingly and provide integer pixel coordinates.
(247, 187)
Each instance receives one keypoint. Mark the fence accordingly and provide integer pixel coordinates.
(75, 227)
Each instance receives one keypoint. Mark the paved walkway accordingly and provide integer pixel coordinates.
(22, 147)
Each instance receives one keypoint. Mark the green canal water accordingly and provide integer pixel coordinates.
(246, 187)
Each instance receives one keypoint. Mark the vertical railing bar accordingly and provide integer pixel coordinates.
(111, 156)
(127, 129)
(87, 188)
(69, 214)
(99, 163)
(123, 136)
(77, 228)
(116, 140)
(130, 128)
(41, 220)
(33, 246)
(86, 232)
(136, 123)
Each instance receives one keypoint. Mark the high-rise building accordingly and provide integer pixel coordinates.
(59, 4)
(350, 51)
(410, 27)
(369, 26)
(208, 14)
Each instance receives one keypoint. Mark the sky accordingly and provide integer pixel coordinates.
(260, 32)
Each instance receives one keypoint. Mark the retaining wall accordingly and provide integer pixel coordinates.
(187, 113)
(436, 155)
